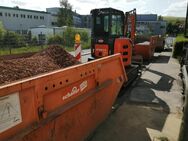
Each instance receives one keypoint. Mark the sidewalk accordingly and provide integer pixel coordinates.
(152, 106)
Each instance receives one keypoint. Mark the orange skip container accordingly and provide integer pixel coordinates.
(146, 49)
(64, 105)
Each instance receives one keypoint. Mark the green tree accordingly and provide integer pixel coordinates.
(175, 28)
(169, 28)
(57, 39)
(2, 32)
(68, 36)
(160, 18)
(84, 36)
(65, 15)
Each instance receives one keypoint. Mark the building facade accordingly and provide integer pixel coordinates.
(149, 24)
(86, 21)
(81, 21)
(20, 20)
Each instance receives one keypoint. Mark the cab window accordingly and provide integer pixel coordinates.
(101, 27)
(116, 28)
(106, 23)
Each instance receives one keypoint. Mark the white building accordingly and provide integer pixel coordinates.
(150, 24)
(43, 32)
(20, 20)
(77, 18)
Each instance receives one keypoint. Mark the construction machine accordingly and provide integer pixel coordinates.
(113, 31)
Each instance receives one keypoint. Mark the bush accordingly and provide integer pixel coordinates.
(84, 36)
(178, 46)
(13, 40)
(86, 45)
(69, 35)
(34, 41)
(55, 40)
(178, 49)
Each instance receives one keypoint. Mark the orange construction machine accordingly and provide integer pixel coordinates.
(114, 32)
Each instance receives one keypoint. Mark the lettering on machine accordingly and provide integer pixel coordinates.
(75, 90)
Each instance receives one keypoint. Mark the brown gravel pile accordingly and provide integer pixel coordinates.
(52, 58)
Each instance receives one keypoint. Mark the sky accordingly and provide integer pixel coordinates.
(161, 7)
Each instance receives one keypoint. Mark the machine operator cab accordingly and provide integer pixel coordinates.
(107, 36)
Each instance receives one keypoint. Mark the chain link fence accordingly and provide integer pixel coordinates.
(14, 43)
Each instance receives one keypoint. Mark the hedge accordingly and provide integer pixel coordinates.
(178, 46)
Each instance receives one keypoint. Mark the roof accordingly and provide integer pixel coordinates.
(106, 10)
(146, 17)
(20, 9)
(50, 27)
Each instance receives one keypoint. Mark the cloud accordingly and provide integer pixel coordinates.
(131, 0)
(162, 7)
(34, 4)
(77, 8)
(126, 1)
(85, 1)
(142, 7)
(18, 2)
(176, 9)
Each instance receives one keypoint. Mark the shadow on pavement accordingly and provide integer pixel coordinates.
(168, 50)
(145, 111)
(164, 84)
(161, 59)
(139, 117)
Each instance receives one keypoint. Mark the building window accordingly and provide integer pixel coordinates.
(29, 16)
(17, 15)
(35, 17)
(1, 14)
(9, 14)
(54, 23)
(42, 17)
(22, 16)
(14, 15)
(6, 14)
